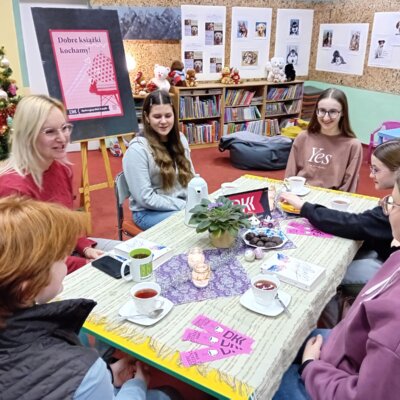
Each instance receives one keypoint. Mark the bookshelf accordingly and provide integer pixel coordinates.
(211, 110)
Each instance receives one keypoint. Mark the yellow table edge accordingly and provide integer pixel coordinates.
(210, 383)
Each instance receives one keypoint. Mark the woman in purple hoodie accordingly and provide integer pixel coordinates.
(361, 357)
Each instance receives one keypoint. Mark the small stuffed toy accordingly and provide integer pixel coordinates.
(160, 79)
(275, 70)
(235, 75)
(140, 84)
(191, 78)
(177, 75)
(290, 72)
(226, 76)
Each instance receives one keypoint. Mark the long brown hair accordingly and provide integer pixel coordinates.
(344, 122)
(168, 161)
(389, 154)
(33, 236)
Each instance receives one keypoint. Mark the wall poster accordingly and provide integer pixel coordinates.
(293, 38)
(203, 40)
(250, 40)
(341, 48)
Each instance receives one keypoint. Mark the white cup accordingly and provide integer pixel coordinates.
(265, 287)
(295, 183)
(340, 203)
(146, 296)
(140, 265)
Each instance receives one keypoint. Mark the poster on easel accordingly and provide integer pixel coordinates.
(250, 40)
(341, 48)
(203, 40)
(384, 51)
(293, 38)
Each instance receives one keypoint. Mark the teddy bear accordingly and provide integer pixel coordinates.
(275, 70)
(226, 76)
(177, 75)
(290, 72)
(160, 79)
(140, 84)
(235, 76)
(191, 78)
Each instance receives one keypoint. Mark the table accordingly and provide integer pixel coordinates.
(388, 134)
(277, 340)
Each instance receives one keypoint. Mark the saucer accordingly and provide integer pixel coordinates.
(302, 192)
(129, 308)
(247, 300)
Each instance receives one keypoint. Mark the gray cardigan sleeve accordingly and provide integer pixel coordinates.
(139, 168)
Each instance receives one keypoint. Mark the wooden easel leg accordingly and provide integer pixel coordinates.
(107, 165)
(122, 144)
(85, 194)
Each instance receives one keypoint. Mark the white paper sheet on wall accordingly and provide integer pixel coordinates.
(293, 38)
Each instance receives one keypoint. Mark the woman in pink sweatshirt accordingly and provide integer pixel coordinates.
(360, 360)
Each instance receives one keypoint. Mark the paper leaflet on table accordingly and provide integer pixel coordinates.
(305, 228)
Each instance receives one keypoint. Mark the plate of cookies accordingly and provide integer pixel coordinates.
(265, 238)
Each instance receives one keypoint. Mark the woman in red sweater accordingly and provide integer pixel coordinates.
(38, 165)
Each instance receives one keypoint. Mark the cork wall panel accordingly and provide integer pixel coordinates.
(148, 53)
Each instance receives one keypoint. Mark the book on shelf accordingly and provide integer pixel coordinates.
(160, 252)
(200, 133)
(294, 271)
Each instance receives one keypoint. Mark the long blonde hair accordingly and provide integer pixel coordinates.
(33, 236)
(175, 157)
(30, 116)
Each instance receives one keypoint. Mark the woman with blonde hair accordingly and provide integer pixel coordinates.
(157, 165)
(40, 353)
(38, 165)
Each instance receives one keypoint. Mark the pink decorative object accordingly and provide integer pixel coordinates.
(259, 254)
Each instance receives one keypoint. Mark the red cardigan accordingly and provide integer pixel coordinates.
(56, 188)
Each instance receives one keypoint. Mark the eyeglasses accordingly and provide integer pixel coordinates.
(331, 113)
(388, 204)
(65, 129)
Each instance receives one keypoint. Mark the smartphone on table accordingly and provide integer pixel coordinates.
(110, 266)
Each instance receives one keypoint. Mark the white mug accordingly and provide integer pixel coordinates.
(140, 265)
(265, 287)
(146, 296)
(295, 183)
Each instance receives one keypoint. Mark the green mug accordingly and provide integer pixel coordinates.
(140, 265)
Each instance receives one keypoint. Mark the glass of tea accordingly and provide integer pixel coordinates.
(146, 296)
(265, 287)
(195, 256)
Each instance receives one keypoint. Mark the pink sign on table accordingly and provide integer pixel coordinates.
(305, 228)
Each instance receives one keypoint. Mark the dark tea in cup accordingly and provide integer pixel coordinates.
(146, 293)
(265, 285)
(140, 255)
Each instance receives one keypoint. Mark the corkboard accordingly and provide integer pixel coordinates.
(148, 53)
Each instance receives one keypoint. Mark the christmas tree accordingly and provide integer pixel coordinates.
(8, 103)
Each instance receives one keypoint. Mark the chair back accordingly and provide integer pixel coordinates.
(384, 126)
(121, 189)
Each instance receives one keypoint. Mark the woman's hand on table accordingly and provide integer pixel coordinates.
(292, 199)
(312, 350)
(123, 370)
(91, 253)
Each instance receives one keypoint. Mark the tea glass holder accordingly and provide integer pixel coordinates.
(195, 256)
(201, 275)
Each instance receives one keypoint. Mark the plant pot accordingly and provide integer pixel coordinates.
(224, 241)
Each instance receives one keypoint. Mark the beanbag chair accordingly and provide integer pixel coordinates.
(251, 151)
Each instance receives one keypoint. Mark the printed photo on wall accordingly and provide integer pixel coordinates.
(189, 59)
(191, 27)
(380, 50)
(209, 33)
(198, 62)
(215, 64)
(294, 28)
(337, 58)
(249, 58)
(327, 37)
(355, 41)
(218, 35)
(242, 29)
(261, 29)
(292, 54)
(397, 30)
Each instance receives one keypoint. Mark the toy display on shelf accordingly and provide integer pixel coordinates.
(290, 72)
(275, 70)
(140, 84)
(235, 76)
(226, 76)
(159, 81)
(191, 78)
(177, 75)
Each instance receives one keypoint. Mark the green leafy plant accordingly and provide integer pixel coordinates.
(219, 216)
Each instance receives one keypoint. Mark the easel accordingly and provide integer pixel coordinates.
(86, 188)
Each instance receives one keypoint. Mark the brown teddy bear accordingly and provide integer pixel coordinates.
(191, 78)
(235, 75)
(226, 76)
(177, 75)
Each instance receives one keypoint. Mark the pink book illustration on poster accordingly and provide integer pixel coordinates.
(86, 72)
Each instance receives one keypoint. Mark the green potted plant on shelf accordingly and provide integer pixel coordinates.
(221, 218)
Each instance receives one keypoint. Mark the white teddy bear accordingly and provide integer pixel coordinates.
(160, 77)
(276, 70)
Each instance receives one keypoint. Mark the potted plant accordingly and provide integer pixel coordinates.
(222, 219)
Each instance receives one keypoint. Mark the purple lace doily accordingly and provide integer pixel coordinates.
(228, 278)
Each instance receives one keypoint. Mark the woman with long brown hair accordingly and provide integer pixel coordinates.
(328, 154)
(157, 165)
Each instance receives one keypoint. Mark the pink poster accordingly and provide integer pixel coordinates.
(86, 73)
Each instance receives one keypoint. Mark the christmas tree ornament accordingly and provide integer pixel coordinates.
(4, 62)
(3, 94)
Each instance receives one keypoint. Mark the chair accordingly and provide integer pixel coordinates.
(372, 143)
(125, 227)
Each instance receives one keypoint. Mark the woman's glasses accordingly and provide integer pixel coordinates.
(388, 204)
(321, 112)
(65, 129)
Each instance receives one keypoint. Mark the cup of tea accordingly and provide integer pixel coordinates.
(140, 265)
(265, 287)
(340, 203)
(295, 183)
(146, 296)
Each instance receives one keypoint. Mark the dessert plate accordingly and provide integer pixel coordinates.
(266, 232)
(129, 308)
(302, 192)
(247, 300)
